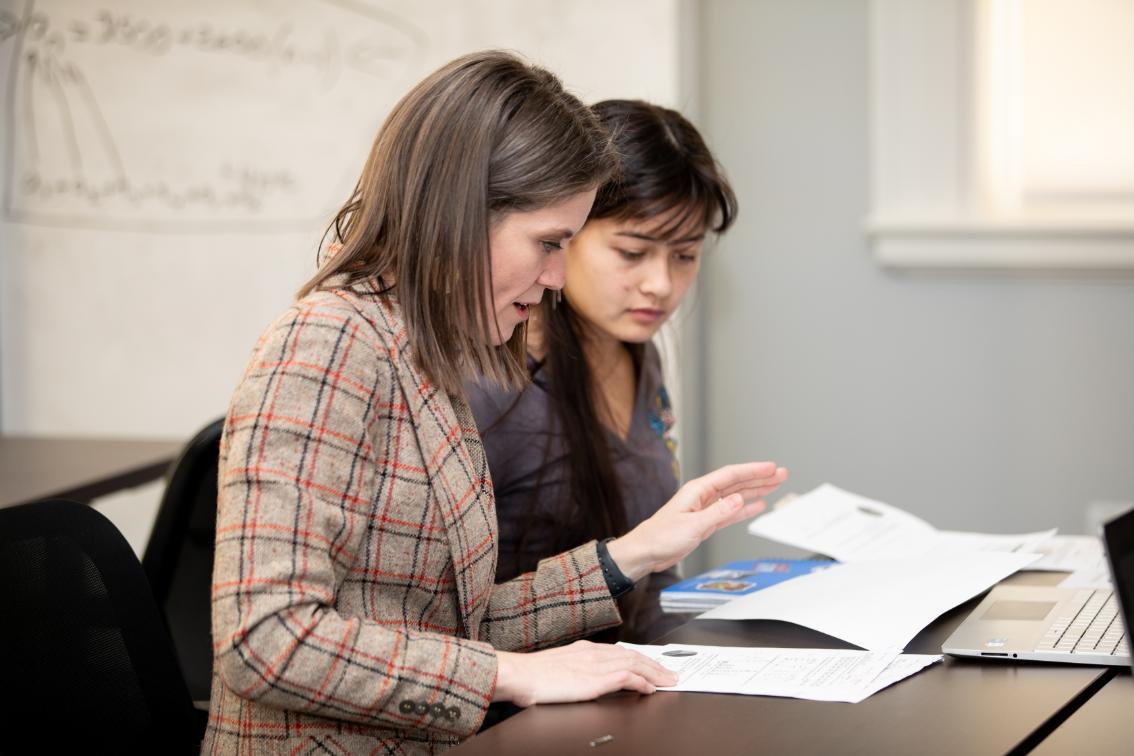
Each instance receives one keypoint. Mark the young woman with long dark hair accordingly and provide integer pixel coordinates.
(354, 604)
(585, 450)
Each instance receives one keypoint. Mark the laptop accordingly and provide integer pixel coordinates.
(1075, 625)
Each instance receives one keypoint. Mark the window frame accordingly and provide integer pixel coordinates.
(927, 208)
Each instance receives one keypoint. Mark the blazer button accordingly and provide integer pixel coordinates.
(406, 707)
(438, 710)
(454, 712)
(422, 708)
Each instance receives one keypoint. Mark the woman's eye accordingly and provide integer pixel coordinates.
(551, 246)
(685, 254)
(630, 254)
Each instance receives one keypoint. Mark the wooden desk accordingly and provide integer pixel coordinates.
(1103, 725)
(954, 707)
(82, 469)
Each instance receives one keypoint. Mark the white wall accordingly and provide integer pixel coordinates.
(976, 400)
(133, 316)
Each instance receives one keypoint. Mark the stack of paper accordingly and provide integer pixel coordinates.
(898, 572)
(814, 674)
(851, 528)
(877, 604)
(723, 584)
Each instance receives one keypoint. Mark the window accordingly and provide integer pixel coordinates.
(1000, 133)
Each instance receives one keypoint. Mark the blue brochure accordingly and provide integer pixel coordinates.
(725, 583)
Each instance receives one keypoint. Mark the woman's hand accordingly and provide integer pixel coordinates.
(578, 672)
(698, 509)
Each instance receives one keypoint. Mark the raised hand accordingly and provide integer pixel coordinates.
(699, 508)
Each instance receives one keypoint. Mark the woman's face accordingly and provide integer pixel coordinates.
(626, 280)
(526, 252)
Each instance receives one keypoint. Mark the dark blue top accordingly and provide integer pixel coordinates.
(519, 436)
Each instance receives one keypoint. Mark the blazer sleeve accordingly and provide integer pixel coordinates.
(565, 598)
(296, 480)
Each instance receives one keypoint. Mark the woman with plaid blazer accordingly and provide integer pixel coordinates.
(354, 605)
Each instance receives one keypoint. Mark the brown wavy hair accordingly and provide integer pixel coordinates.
(486, 135)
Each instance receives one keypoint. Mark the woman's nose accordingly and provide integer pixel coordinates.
(554, 274)
(656, 280)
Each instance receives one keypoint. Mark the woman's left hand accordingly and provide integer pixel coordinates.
(699, 508)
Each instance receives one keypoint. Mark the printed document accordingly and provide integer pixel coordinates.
(877, 605)
(852, 528)
(814, 674)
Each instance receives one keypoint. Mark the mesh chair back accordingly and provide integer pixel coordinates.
(179, 555)
(86, 664)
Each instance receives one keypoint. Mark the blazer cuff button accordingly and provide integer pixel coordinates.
(422, 708)
(454, 712)
(438, 710)
(406, 707)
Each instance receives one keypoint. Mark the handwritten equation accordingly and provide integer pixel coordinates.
(172, 116)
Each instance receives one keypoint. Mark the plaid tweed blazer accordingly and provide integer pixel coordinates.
(354, 605)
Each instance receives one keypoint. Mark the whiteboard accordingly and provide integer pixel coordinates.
(169, 167)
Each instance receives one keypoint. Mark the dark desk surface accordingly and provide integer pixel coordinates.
(954, 707)
(34, 468)
(1104, 725)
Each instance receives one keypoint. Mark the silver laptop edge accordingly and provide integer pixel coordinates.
(1011, 621)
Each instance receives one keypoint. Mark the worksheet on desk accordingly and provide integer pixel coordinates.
(852, 528)
(813, 674)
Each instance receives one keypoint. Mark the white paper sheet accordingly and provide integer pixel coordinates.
(814, 674)
(844, 526)
(1094, 576)
(957, 540)
(899, 669)
(852, 528)
(1070, 553)
(877, 604)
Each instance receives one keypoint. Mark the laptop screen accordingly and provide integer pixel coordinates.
(1119, 537)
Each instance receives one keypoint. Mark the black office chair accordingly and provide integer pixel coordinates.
(179, 555)
(86, 663)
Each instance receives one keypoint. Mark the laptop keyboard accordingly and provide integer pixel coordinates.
(1091, 626)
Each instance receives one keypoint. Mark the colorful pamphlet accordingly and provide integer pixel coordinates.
(721, 585)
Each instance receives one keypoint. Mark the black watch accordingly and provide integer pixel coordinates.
(616, 582)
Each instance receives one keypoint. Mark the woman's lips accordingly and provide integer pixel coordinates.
(647, 315)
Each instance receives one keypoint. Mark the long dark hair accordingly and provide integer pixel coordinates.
(664, 167)
(483, 136)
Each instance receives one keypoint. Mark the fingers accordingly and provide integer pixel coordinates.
(730, 476)
(746, 512)
(769, 484)
(751, 493)
(727, 511)
(652, 672)
(640, 673)
(582, 671)
(624, 680)
(735, 478)
(614, 659)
